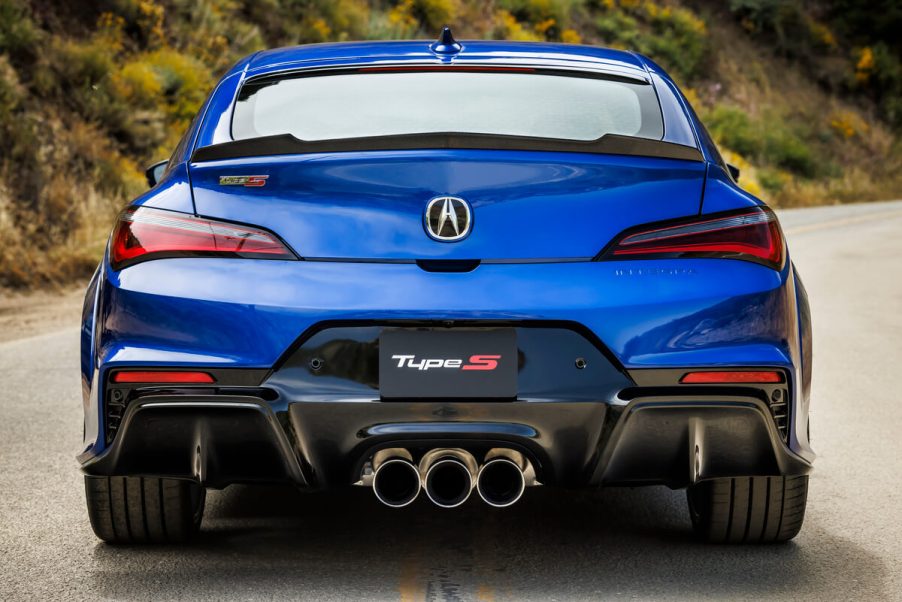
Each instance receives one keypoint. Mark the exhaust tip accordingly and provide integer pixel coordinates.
(500, 482)
(448, 483)
(396, 483)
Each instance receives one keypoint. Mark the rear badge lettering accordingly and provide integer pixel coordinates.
(247, 181)
(655, 272)
(475, 362)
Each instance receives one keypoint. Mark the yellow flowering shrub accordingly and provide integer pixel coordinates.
(571, 36)
(402, 17)
(508, 28)
(137, 81)
(184, 83)
(864, 67)
(848, 124)
(821, 33)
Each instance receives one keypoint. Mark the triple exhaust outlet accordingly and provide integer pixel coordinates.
(449, 476)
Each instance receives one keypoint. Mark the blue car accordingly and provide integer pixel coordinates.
(446, 271)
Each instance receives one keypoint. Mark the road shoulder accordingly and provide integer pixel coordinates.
(27, 314)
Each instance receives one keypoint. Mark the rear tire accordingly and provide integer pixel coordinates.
(748, 509)
(128, 510)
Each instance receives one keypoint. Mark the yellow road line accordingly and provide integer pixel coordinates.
(410, 585)
(485, 593)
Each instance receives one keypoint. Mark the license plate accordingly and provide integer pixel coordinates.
(448, 363)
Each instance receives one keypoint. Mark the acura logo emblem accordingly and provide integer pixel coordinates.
(448, 218)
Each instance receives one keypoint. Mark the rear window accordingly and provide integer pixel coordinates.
(515, 103)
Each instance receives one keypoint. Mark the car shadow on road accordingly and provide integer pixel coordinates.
(277, 542)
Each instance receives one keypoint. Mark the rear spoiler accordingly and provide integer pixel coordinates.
(286, 144)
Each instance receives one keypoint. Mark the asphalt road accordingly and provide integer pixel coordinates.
(277, 543)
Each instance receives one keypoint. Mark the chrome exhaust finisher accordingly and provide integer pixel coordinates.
(448, 476)
(396, 480)
(501, 481)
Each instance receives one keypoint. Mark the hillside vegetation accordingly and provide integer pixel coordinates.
(805, 97)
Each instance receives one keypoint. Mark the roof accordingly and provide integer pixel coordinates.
(481, 52)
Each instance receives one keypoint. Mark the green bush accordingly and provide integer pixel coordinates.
(299, 22)
(680, 40)
(433, 14)
(617, 28)
(675, 37)
(11, 90)
(784, 148)
(884, 81)
(183, 81)
(18, 35)
(20, 145)
(732, 127)
(785, 24)
(772, 180)
(78, 75)
(805, 144)
(537, 11)
(769, 139)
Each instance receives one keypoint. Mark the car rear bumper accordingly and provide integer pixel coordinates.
(670, 440)
(254, 316)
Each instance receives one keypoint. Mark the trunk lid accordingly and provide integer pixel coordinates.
(525, 205)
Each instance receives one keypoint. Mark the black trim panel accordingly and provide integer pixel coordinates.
(576, 327)
(286, 144)
(666, 382)
(436, 261)
(215, 440)
(585, 71)
(681, 440)
(117, 396)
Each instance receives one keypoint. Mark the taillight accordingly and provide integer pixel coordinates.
(155, 377)
(143, 233)
(732, 376)
(750, 234)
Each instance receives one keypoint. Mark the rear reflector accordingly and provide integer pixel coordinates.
(151, 377)
(739, 376)
(751, 234)
(145, 233)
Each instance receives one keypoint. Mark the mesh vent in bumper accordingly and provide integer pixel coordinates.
(779, 409)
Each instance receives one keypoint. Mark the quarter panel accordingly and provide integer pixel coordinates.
(721, 194)
(172, 193)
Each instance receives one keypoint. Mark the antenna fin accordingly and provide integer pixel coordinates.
(446, 44)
